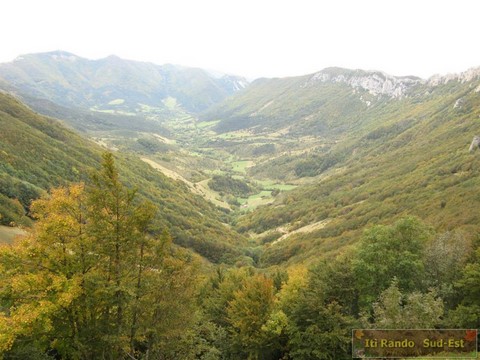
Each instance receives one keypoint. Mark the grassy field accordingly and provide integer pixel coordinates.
(200, 188)
(8, 234)
(241, 166)
(207, 124)
(116, 102)
(262, 198)
(170, 102)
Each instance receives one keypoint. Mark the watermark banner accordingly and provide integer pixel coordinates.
(433, 344)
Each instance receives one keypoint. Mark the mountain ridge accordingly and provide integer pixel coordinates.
(71, 80)
(375, 82)
(276, 103)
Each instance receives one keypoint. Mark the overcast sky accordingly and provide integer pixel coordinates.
(253, 38)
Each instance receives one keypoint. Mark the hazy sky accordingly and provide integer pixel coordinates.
(253, 38)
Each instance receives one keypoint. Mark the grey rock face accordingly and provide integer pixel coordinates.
(463, 77)
(375, 82)
(475, 143)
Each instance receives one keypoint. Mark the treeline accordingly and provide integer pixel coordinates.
(399, 276)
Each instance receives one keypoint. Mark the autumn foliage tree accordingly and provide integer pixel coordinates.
(248, 313)
(91, 281)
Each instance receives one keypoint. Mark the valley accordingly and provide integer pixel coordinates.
(190, 216)
(388, 162)
(304, 150)
(194, 152)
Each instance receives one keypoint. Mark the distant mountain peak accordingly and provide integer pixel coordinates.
(375, 82)
(65, 57)
(113, 59)
(463, 77)
(55, 55)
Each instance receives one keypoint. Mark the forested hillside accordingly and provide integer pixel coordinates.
(38, 153)
(402, 152)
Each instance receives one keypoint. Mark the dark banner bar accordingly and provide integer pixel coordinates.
(435, 344)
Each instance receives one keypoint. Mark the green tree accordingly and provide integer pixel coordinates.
(395, 310)
(340, 283)
(220, 291)
(317, 327)
(119, 227)
(445, 257)
(467, 313)
(385, 252)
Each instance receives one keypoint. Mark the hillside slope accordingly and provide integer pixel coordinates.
(397, 155)
(37, 153)
(113, 84)
(332, 100)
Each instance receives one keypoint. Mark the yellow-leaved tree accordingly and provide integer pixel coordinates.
(92, 280)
